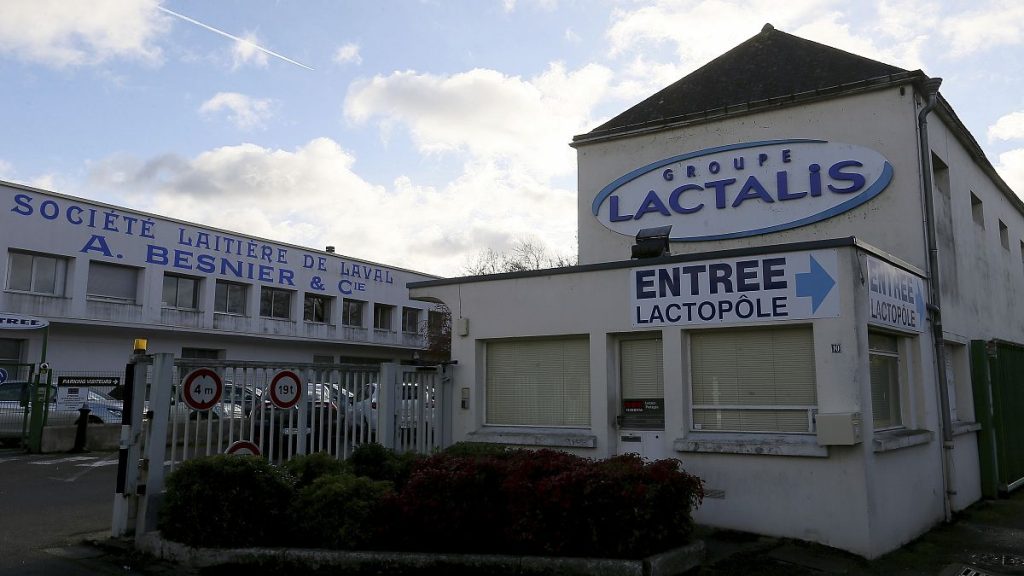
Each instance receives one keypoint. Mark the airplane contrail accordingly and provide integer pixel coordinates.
(235, 38)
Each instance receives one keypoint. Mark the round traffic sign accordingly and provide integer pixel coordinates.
(243, 448)
(202, 389)
(3, 375)
(285, 390)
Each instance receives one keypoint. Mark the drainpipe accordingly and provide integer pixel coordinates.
(931, 90)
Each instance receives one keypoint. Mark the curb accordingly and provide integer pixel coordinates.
(669, 563)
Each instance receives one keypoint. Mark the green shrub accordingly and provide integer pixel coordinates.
(305, 469)
(225, 501)
(341, 512)
(376, 462)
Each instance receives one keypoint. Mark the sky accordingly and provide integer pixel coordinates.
(414, 133)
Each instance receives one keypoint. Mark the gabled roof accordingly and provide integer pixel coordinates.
(768, 66)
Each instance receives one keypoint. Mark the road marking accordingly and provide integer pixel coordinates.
(63, 460)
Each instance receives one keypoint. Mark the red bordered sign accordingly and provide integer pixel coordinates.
(243, 448)
(285, 390)
(202, 390)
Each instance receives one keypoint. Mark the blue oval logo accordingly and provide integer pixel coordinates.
(744, 189)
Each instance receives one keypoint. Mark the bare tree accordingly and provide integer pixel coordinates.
(525, 254)
(438, 331)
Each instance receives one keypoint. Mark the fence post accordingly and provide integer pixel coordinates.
(390, 373)
(156, 444)
(447, 403)
(125, 497)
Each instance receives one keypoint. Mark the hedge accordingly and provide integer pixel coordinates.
(469, 499)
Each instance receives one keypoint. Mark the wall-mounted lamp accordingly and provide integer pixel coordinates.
(652, 242)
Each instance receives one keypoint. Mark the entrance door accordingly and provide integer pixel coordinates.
(642, 397)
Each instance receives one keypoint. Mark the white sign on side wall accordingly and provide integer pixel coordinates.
(896, 297)
(743, 189)
(759, 288)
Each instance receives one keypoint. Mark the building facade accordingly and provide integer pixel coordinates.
(837, 239)
(104, 275)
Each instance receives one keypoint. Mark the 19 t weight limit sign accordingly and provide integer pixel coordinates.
(285, 391)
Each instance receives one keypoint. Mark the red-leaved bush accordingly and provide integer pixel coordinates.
(546, 502)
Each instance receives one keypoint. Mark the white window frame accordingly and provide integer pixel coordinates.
(413, 328)
(98, 267)
(379, 311)
(275, 294)
(324, 301)
(808, 408)
(60, 268)
(228, 287)
(194, 305)
(571, 391)
(353, 309)
(895, 418)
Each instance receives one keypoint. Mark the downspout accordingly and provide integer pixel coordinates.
(931, 89)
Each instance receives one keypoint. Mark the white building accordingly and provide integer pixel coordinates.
(104, 275)
(824, 208)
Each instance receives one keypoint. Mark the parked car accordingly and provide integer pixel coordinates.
(366, 406)
(244, 395)
(182, 412)
(14, 396)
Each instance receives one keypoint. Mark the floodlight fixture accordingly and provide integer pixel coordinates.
(652, 242)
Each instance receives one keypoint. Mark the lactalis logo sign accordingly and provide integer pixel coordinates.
(744, 189)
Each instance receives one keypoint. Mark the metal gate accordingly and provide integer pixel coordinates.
(997, 374)
(337, 407)
(19, 384)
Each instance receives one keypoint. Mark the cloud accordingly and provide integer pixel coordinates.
(1009, 127)
(348, 54)
(492, 117)
(247, 51)
(244, 112)
(992, 26)
(311, 196)
(1011, 168)
(59, 34)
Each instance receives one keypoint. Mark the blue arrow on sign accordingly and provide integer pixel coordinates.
(817, 284)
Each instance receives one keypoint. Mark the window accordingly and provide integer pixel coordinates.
(181, 292)
(538, 382)
(410, 319)
(382, 316)
(275, 303)
(10, 358)
(316, 308)
(229, 298)
(884, 357)
(753, 380)
(202, 353)
(958, 382)
(113, 282)
(36, 273)
(352, 313)
(1004, 235)
(977, 212)
(643, 384)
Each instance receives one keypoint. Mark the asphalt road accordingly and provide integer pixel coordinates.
(49, 503)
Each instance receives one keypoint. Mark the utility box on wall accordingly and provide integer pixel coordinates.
(839, 429)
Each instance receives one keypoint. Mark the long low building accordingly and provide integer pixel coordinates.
(796, 266)
(104, 275)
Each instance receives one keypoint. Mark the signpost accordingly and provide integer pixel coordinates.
(895, 297)
(203, 389)
(285, 389)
